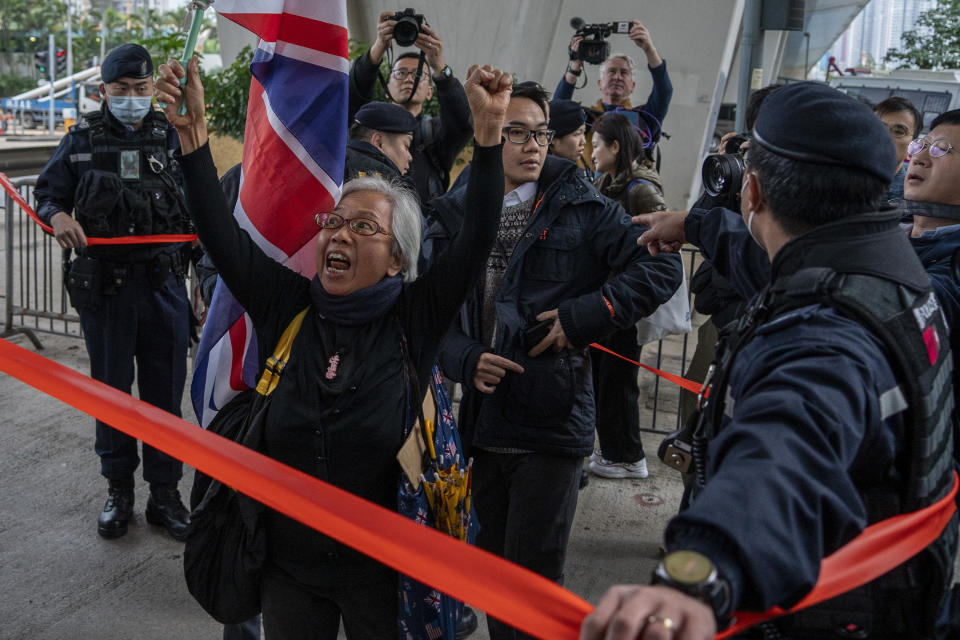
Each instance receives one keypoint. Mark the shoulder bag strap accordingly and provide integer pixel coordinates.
(281, 354)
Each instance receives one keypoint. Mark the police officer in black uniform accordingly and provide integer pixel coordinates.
(118, 170)
(380, 139)
(829, 406)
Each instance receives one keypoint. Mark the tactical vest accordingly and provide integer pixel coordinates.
(129, 189)
(912, 327)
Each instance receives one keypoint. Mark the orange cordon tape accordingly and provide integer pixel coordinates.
(511, 593)
(878, 549)
(159, 239)
(689, 385)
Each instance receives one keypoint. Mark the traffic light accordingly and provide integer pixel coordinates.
(61, 61)
(41, 61)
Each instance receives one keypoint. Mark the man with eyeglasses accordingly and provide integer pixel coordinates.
(520, 348)
(904, 123)
(932, 197)
(437, 140)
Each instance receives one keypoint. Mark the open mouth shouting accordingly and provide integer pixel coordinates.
(336, 263)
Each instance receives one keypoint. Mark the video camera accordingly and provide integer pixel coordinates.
(723, 173)
(408, 26)
(594, 48)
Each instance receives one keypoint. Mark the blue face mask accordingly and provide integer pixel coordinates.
(129, 109)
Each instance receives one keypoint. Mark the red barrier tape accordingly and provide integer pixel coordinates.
(157, 239)
(513, 594)
(510, 593)
(689, 385)
(877, 550)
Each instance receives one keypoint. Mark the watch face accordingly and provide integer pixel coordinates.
(688, 567)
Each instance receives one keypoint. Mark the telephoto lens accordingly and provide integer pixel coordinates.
(722, 175)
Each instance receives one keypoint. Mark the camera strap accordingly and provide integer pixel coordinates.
(416, 78)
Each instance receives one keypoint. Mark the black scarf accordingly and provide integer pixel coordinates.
(357, 308)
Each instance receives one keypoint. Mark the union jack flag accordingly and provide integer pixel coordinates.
(433, 599)
(433, 630)
(421, 516)
(450, 451)
(447, 416)
(292, 168)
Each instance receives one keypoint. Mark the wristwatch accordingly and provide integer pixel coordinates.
(693, 573)
(576, 73)
(444, 74)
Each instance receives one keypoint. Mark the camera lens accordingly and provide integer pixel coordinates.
(722, 174)
(406, 30)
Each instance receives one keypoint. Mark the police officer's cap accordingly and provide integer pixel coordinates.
(126, 61)
(566, 116)
(387, 117)
(812, 122)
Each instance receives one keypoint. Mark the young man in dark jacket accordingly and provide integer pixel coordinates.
(528, 410)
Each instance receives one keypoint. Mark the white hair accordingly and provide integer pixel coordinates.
(407, 218)
(630, 63)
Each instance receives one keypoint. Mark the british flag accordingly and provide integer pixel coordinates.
(421, 516)
(292, 167)
(433, 599)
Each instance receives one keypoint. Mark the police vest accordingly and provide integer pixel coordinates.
(912, 327)
(129, 189)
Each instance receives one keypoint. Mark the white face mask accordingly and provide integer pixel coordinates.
(752, 213)
(129, 109)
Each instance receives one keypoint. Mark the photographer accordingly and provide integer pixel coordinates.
(437, 139)
(617, 81)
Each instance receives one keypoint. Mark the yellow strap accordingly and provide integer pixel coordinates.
(276, 363)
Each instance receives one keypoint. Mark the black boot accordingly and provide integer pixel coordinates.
(468, 623)
(165, 508)
(118, 509)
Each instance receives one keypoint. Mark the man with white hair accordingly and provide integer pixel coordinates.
(617, 82)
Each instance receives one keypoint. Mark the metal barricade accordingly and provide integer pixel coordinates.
(35, 300)
(659, 401)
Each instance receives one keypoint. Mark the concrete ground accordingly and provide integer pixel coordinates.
(60, 580)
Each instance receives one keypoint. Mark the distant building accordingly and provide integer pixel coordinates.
(876, 30)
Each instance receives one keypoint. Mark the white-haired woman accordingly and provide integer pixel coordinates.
(339, 411)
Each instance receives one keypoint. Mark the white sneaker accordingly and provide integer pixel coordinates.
(595, 457)
(607, 469)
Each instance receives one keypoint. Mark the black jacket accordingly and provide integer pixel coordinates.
(806, 450)
(365, 159)
(57, 183)
(437, 141)
(574, 240)
(346, 432)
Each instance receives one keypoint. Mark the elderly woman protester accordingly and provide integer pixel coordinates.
(340, 410)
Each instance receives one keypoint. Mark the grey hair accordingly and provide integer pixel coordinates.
(622, 56)
(407, 218)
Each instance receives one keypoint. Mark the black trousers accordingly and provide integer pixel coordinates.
(525, 504)
(364, 596)
(149, 328)
(617, 397)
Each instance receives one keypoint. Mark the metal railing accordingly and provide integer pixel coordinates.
(35, 300)
(660, 402)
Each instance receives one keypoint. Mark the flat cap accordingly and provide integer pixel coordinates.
(566, 116)
(812, 122)
(126, 61)
(387, 117)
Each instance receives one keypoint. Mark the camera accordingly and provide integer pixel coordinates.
(407, 29)
(722, 174)
(594, 48)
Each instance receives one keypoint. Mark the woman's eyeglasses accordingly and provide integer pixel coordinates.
(360, 226)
